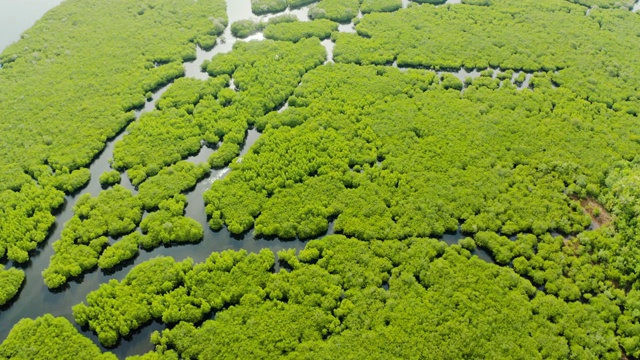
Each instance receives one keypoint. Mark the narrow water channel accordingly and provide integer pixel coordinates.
(16, 16)
(35, 299)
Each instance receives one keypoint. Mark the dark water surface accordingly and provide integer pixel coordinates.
(35, 299)
(16, 16)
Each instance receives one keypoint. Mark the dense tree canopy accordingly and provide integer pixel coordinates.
(297, 30)
(341, 11)
(25, 219)
(69, 84)
(338, 151)
(346, 298)
(116, 308)
(49, 338)
(513, 123)
(115, 212)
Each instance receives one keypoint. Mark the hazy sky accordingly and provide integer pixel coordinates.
(17, 16)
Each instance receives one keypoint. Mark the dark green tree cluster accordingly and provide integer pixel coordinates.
(397, 299)
(622, 200)
(298, 30)
(162, 138)
(185, 93)
(71, 82)
(628, 324)
(48, 337)
(342, 11)
(260, 7)
(266, 74)
(341, 152)
(369, 6)
(114, 212)
(569, 268)
(10, 283)
(156, 140)
(124, 249)
(171, 181)
(245, 28)
(110, 178)
(390, 156)
(164, 289)
(25, 219)
(168, 225)
(625, 4)
(116, 307)
(508, 35)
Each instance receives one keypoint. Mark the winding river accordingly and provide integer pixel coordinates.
(35, 299)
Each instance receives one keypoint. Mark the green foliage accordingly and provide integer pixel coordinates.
(110, 178)
(168, 225)
(507, 35)
(625, 4)
(157, 139)
(343, 119)
(391, 156)
(10, 283)
(369, 6)
(450, 81)
(124, 249)
(25, 219)
(49, 338)
(295, 31)
(245, 28)
(478, 2)
(71, 59)
(117, 308)
(260, 7)
(226, 277)
(113, 212)
(331, 304)
(64, 180)
(185, 93)
(434, 2)
(162, 138)
(163, 289)
(628, 324)
(342, 11)
(171, 181)
(69, 84)
(282, 19)
(299, 3)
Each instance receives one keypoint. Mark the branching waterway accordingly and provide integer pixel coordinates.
(35, 299)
